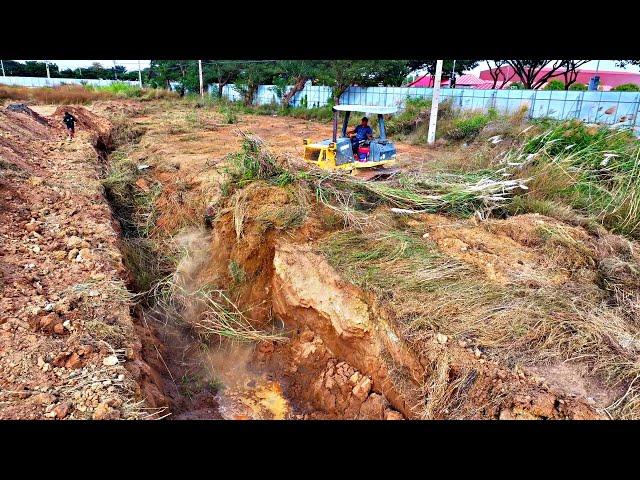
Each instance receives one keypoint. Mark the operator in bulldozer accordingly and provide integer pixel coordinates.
(360, 134)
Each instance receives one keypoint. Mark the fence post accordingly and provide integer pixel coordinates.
(533, 104)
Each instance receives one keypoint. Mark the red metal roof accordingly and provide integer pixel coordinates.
(468, 79)
(426, 81)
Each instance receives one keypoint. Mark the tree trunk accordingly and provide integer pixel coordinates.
(337, 93)
(297, 87)
(249, 94)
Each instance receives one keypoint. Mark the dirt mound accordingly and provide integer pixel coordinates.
(119, 107)
(22, 108)
(100, 128)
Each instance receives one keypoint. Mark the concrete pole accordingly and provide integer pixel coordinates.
(453, 74)
(139, 75)
(431, 136)
(2, 65)
(201, 81)
(47, 64)
(115, 72)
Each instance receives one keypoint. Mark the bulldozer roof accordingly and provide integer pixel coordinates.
(366, 109)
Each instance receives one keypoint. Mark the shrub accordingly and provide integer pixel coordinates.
(415, 111)
(517, 86)
(554, 84)
(626, 87)
(468, 127)
(119, 90)
(578, 86)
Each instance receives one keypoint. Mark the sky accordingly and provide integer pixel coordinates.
(130, 64)
(133, 65)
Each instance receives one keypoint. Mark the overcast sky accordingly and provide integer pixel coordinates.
(133, 65)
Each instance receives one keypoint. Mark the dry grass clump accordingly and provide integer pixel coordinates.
(209, 311)
(430, 292)
(63, 95)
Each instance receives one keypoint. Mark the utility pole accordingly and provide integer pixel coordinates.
(201, 81)
(431, 136)
(139, 74)
(46, 62)
(115, 72)
(2, 65)
(452, 80)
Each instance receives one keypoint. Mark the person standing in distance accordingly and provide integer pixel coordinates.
(70, 122)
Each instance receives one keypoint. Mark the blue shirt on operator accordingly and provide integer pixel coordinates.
(362, 132)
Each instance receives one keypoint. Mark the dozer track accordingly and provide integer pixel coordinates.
(374, 174)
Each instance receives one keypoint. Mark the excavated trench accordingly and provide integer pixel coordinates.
(330, 364)
(333, 351)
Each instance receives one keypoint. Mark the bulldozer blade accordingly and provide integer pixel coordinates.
(376, 173)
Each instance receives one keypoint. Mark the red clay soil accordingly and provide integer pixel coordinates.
(67, 343)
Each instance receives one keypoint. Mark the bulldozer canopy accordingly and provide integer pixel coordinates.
(366, 109)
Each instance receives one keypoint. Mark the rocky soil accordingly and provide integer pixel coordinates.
(65, 326)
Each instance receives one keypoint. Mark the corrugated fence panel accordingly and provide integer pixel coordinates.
(54, 82)
(601, 107)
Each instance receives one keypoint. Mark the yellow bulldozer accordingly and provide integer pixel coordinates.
(367, 158)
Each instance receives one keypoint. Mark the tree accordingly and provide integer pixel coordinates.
(497, 73)
(252, 74)
(570, 73)
(296, 73)
(624, 63)
(222, 72)
(447, 65)
(530, 72)
(185, 72)
(342, 74)
(31, 68)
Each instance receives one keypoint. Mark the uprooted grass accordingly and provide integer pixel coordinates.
(350, 197)
(208, 310)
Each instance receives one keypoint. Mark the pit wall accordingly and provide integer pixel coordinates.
(345, 357)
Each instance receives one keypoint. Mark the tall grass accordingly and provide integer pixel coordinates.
(595, 170)
(81, 94)
(64, 94)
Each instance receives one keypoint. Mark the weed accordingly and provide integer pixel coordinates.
(238, 275)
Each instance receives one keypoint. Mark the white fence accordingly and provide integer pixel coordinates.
(54, 82)
(601, 107)
(311, 96)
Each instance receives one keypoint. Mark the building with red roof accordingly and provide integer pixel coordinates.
(463, 81)
(426, 81)
(608, 79)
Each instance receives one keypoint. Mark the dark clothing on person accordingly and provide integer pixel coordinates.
(70, 121)
(362, 132)
(355, 143)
